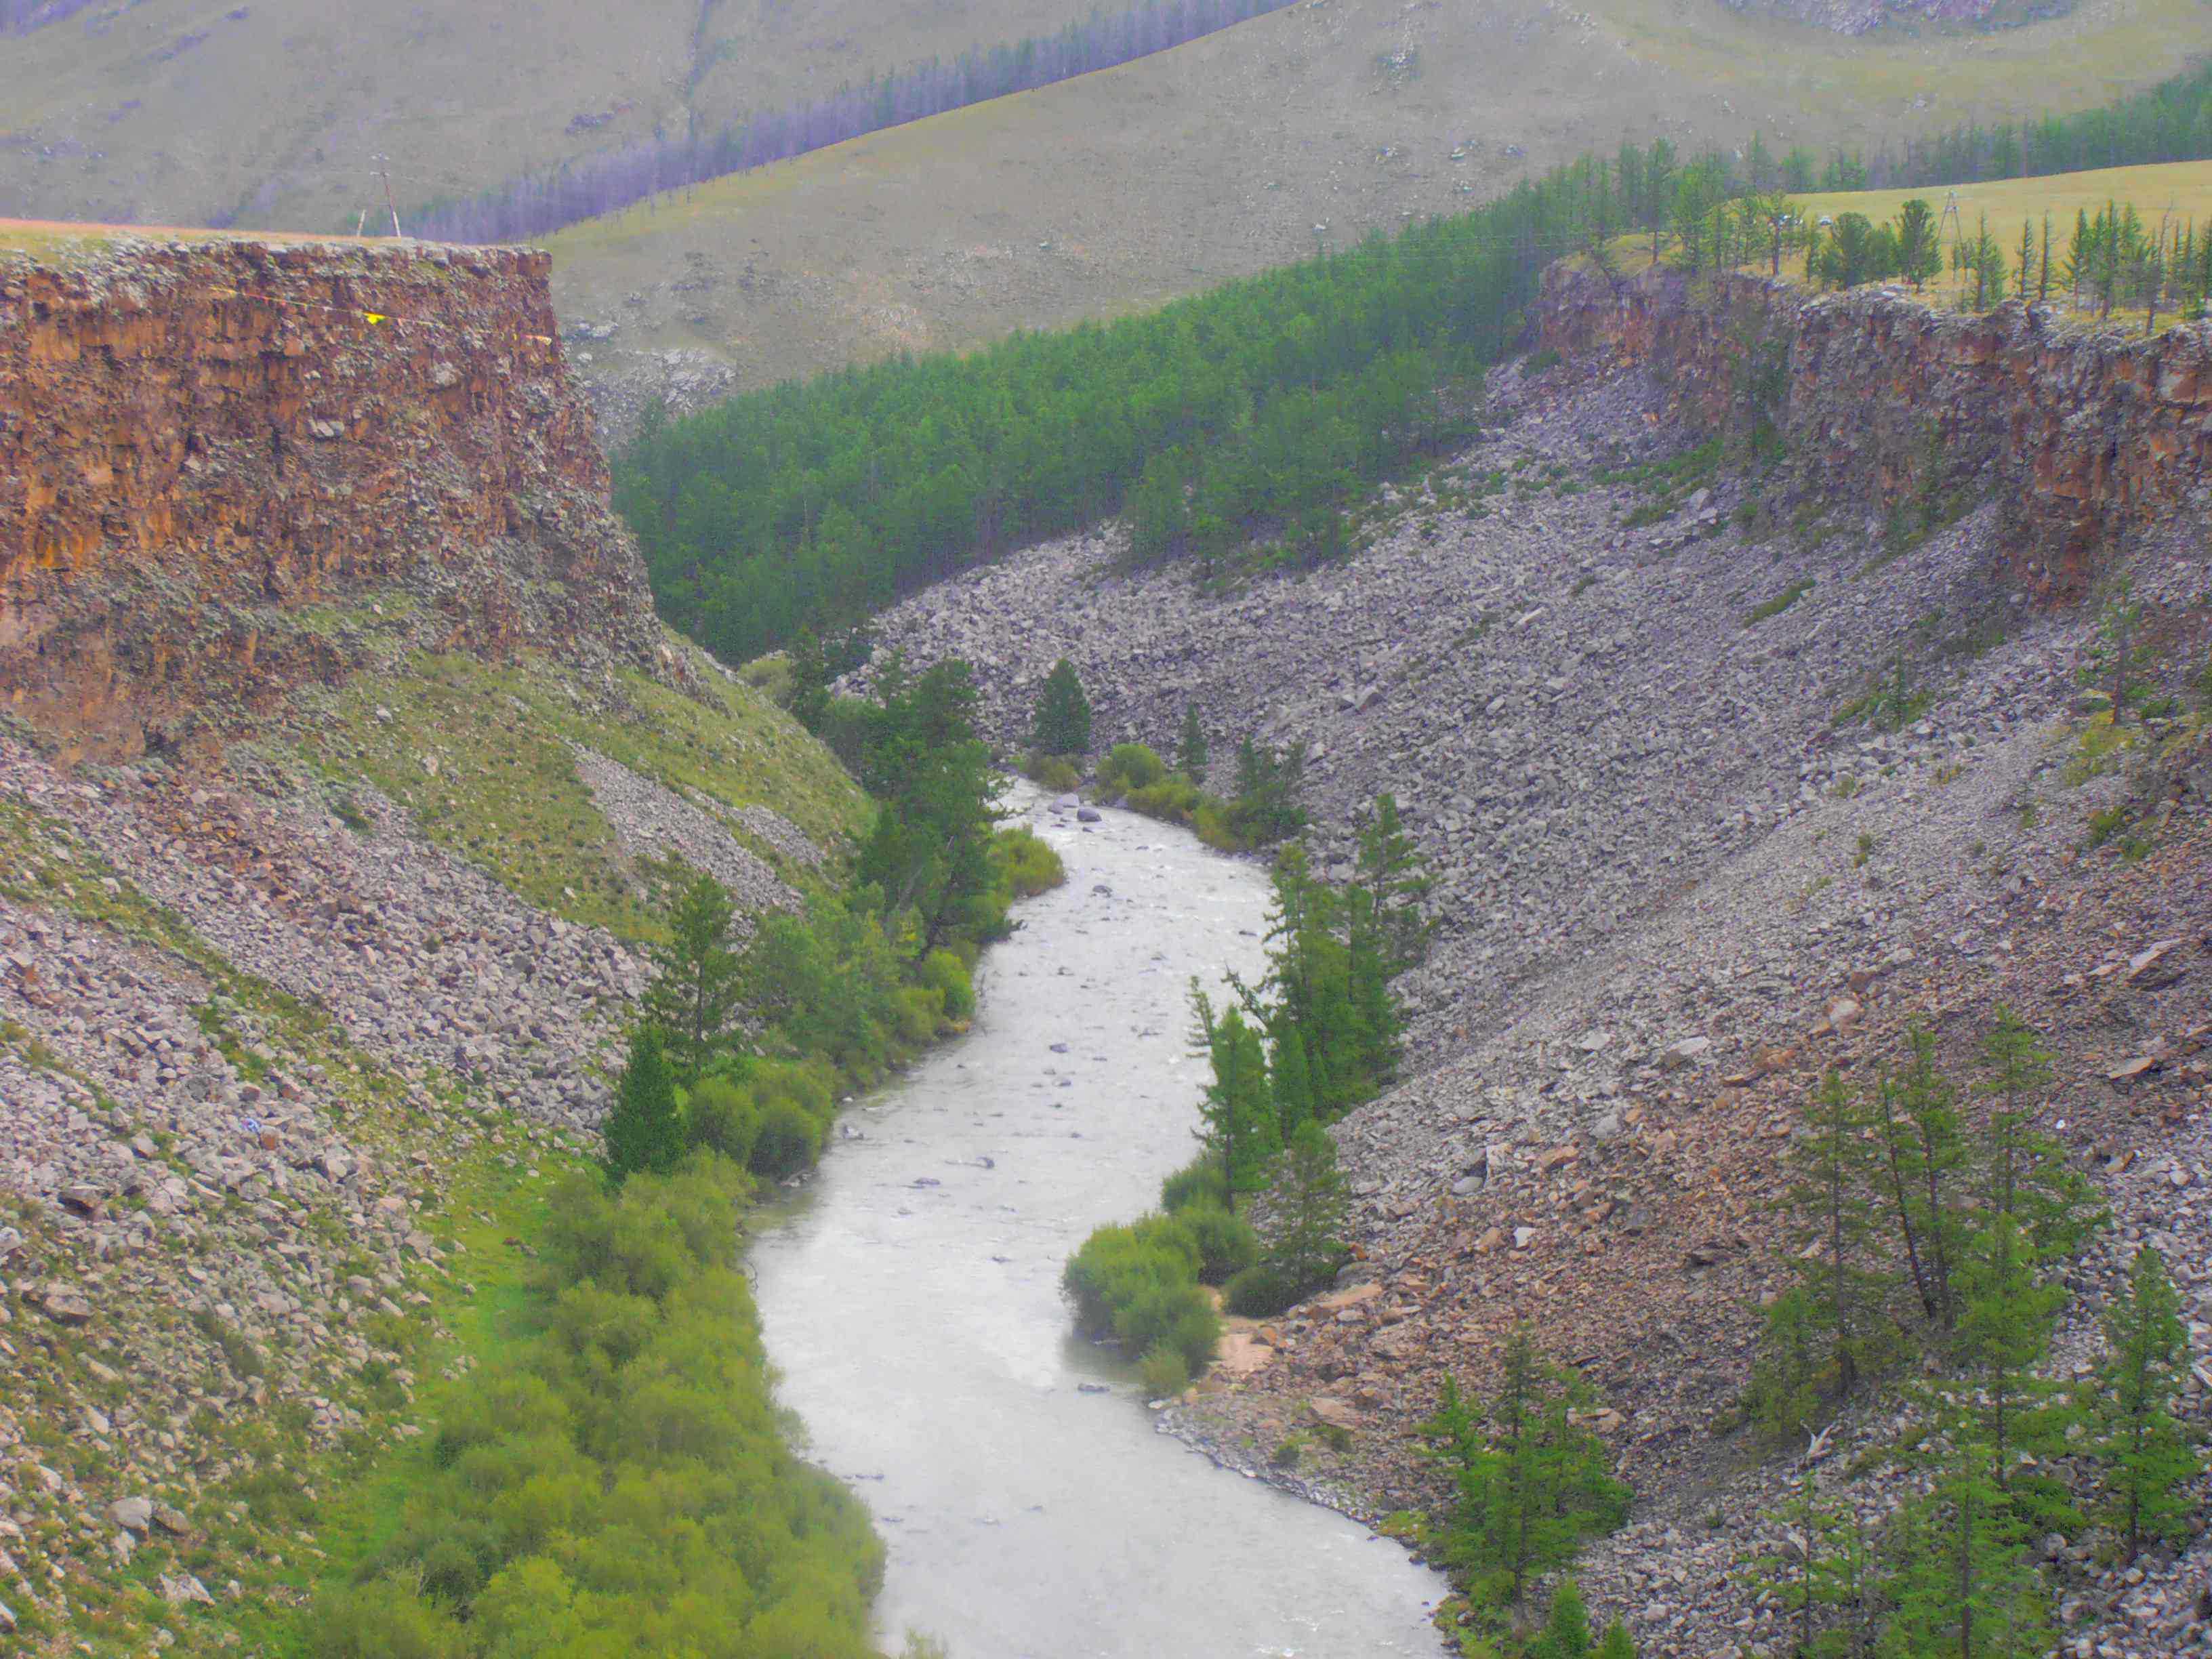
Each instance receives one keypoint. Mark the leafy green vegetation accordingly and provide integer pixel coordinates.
(1534, 1480)
(1780, 602)
(617, 1481)
(1063, 713)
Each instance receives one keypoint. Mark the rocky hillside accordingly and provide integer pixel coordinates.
(1726, 778)
(343, 733)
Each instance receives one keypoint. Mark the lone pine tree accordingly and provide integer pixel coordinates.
(645, 1131)
(1063, 713)
(695, 994)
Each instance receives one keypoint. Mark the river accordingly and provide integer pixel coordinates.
(911, 1300)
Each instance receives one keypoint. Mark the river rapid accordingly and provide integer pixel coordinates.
(911, 1299)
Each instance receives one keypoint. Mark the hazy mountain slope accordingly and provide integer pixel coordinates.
(1124, 188)
(185, 111)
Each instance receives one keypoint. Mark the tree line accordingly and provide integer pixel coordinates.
(539, 203)
(1256, 409)
(1250, 414)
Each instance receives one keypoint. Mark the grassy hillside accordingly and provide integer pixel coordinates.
(189, 111)
(2183, 189)
(1121, 190)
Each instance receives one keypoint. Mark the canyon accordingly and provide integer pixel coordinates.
(1738, 685)
(1622, 667)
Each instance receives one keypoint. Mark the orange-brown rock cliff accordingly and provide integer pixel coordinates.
(207, 449)
(2086, 437)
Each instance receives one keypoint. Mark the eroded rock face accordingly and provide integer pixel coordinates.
(2085, 438)
(206, 448)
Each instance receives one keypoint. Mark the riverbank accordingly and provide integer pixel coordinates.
(1030, 1502)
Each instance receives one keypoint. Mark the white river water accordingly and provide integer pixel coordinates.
(911, 1300)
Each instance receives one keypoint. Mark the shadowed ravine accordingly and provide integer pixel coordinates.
(912, 1301)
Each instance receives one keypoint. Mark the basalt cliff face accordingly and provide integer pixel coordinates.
(2086, 439)
(205, 447)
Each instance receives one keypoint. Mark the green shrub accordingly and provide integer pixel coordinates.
(1175, 799)
(1259, 1291)
(723, 1115)
(384, 1621)
(1182, 1316)
(1198, 1182)
(1128, 767)
(947, 976)
(1025, 863)
(594, 1487)
(1051, 772)
(1116, 1262)
(1226, 1244)
(789, 1140)
(1163, 1372)
(917, 1010)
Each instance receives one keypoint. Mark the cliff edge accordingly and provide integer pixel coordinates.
(209, 447)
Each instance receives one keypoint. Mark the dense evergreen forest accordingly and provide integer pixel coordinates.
(2172, 122)
(536, 204)
(1251, 413)
(1266, 402)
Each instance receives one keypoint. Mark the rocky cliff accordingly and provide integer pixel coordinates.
(2086, 439)
(205, 447)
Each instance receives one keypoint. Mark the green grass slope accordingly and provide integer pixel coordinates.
(1123, 188)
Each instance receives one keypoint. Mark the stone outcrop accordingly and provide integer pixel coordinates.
(2085, 438)
(207, 449)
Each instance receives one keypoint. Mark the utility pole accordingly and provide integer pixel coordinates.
(383, 170)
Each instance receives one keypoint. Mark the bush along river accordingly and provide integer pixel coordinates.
(911, 1299)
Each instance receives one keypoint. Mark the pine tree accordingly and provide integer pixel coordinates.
(1237, 1119)
(697, 986)
(1822, 1577)
(1833, 1222)
(644, 1131)
(2024, 1173)
(1291, 1081)
(1923, 1151)
(2150, 1467)
(1963, 1588)
(1566, 1626)
(1919, 248)
(1390, 870)
(1533, 1477)
(1190, 746)
(1063, 713)
(1618, 1644)
(2001, 1404)
(1308, 1246)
